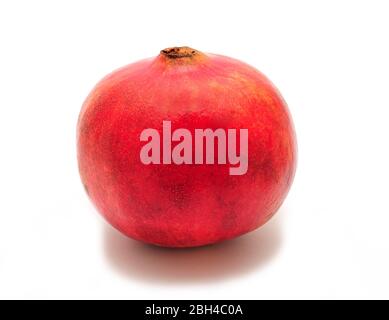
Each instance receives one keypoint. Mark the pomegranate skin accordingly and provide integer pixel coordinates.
(190, 204)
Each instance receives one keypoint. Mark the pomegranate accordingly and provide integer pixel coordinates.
(186, 149)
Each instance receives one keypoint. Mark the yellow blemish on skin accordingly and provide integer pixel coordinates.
(250, 87)
(214, 84)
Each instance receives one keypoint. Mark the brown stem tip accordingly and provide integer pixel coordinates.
(179, 52)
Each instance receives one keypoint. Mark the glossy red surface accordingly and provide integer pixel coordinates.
(185, 205)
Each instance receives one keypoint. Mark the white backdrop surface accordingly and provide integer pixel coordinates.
(330, 61)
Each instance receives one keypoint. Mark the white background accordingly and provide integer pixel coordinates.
(330, 60)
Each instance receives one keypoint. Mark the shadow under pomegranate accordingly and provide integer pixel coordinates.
(233, 258)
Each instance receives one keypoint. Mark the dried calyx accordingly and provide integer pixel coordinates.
(179, 52)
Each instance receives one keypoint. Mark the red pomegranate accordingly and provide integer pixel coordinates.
(186, 149)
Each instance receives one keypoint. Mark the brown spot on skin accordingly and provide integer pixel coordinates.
(86, 188)
(179, 196)
(266, 168)
(229, 220)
